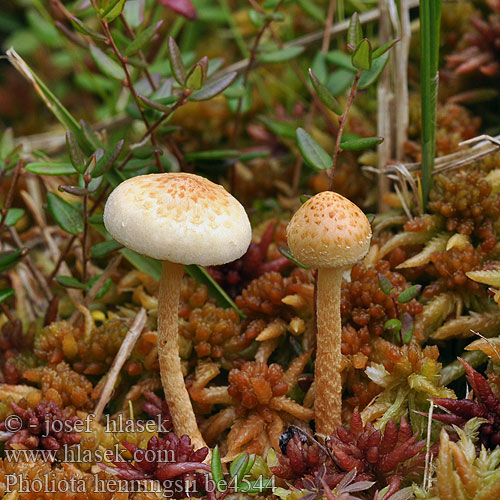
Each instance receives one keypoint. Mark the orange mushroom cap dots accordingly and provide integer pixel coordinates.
(329, 231)
(178, 217)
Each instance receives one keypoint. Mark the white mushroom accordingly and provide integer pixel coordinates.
(179, 219)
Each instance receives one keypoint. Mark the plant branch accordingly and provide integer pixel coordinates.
(131, 35)
(342, 122)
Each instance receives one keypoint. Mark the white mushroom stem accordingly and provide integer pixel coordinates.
(172, 379)
(328, 383)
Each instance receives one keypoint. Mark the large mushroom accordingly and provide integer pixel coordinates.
(179, 219)
(328, 233)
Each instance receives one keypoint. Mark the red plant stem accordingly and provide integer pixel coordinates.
(10, 194)
(130, 85)
(246, 74)
(62, 255)
(342, 122)
(328, 25)
(157, 123)
(7, 313)
(85, 231)
(131, 35)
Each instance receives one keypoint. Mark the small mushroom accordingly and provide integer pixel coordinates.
(328, 233)
(180, 219)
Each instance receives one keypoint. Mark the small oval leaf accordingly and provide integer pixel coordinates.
(312, 152)
(360, 144)
(107, 65)
(213, 87)
(326, 98)
(50, 168)
(64, 214)
(282, 55)
(362, 56)
(176, 63)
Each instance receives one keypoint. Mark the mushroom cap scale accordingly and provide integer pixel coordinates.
(179, 217)
(329, 231)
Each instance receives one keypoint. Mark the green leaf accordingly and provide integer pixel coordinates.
(104, 248)
(362, 55)
(251, 461)
(213, 87)
(360, 144)
(392, 325)
(217, 154)
(409, 294)
(50, 168)
(371, 76)
(108, 66)
(385, 284)
(339, 81)
(157, 105)
(83, 28)
(176, 63)
(194, 79)
(340, 59)
(134, 12)
(281, 55)
(319, 67)
(70, 282)
(281, 129)
(9, 259)
(355, 31)
(114, 9)
(238, 467)
(103, 290)
(64, 214)
(142, 263)
(7, 143)
(286, 252)
(312, 10)
(326, 98)
(217, 474)
(201, 275)
(142, 39)
(384, 48)
(76, 156)
(256, 18)
(13, 216)
(430, 21)
(108, 159)
(312, 152)
(6, 293)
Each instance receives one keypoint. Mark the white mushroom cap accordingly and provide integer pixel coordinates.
(329, 231)
(179, 217)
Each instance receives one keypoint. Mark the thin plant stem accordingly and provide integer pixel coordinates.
(7, 313)
(61, 258)
(130, 85)
(85, 232)
(151, 128)
(342, 122)
(10, 194)
(131, 35)
(328, 25)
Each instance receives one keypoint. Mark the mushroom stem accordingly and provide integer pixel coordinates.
(172, 380)
(328, 382)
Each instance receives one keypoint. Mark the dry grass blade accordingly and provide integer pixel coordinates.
(122, 356)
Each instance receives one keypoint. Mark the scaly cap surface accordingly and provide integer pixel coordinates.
(328, 231)
(179, 217)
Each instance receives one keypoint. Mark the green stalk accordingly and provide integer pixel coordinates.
(430, 20)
